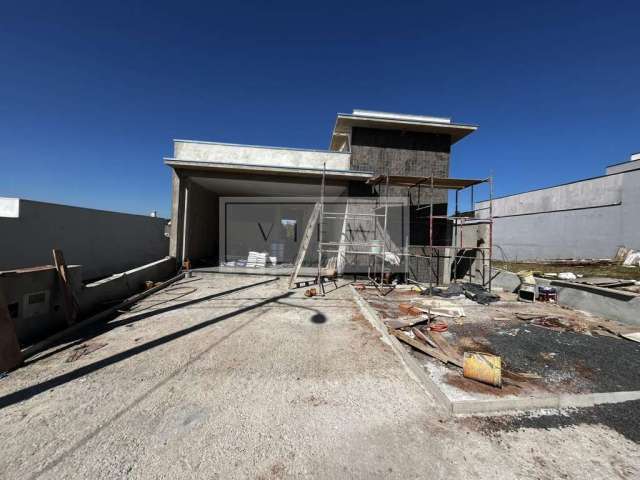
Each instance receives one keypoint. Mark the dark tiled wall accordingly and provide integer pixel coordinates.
(406, 153)
(402, 153)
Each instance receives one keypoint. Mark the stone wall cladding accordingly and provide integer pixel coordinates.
(403, 153)
(407, 153)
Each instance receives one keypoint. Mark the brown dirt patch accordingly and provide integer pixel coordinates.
(587, 269)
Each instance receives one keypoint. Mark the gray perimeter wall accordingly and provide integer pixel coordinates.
(102, 242)
(586, 219)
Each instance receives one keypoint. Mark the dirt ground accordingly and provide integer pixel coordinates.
(241, 378)
(588, 270)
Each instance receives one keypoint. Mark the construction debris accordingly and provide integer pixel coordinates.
(527, 293)
(634, 337)
(479, 294)
(473, 291)
(454, 357)
(453, 290)
(432, 308)
(607, 282)
(442, 308)
(570, 276)
(510, 349)
(432, 352)
(423, 337)
(547, 294)
(71, 308)
(632, 259)
(621, 254)
(439, 327)
(526, 276)
(84, 349)
(406, 321)
(412, 310)
(583, 326)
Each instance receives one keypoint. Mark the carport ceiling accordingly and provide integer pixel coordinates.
(266, 186)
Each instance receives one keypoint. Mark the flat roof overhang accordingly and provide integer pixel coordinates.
(262, 170)
(346, 121)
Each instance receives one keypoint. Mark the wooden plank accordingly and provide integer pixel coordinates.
(405, 322)
(423, 337)
(304, 245)
(70, 304)
(439, 340)
(634, 337)
(432, 352)
(10, 354)
(438, 182)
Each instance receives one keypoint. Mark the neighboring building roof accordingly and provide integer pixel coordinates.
(632, 164)
(395, 121)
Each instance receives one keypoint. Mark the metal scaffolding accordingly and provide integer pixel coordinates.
(378, 249)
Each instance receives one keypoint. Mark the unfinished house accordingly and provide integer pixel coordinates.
(232, 370)
(229, 200)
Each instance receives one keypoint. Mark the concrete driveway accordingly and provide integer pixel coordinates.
(234, 376)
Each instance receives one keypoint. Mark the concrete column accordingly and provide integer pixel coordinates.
(177, 216)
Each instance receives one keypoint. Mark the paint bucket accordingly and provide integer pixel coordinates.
(483, 367)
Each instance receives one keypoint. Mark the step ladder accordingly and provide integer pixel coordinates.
(304, 245)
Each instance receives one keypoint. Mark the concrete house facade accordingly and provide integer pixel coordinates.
(228, 199)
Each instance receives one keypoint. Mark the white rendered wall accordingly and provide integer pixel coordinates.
(250, 155)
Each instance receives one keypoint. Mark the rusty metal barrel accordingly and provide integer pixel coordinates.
(483, 367)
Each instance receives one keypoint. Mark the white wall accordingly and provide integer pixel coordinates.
(265, 156)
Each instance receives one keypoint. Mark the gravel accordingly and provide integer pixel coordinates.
(573, 362)
(624, 418)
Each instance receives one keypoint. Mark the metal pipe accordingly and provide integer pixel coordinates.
(384, 231)
(456, 211)
(354, 214)
(406, 239)
(490, 228)
(320, 224)
(473, 207)
(431, 236)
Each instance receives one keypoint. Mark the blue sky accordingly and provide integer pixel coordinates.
(91, 93)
